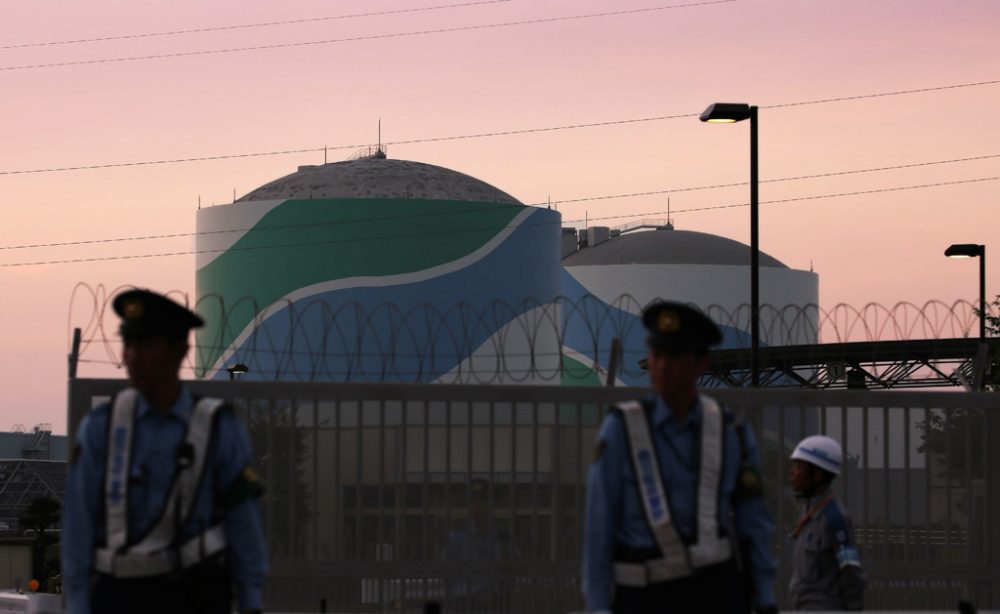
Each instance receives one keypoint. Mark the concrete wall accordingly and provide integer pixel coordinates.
(15, 565)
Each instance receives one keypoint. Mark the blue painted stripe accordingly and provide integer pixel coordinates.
(401, 333)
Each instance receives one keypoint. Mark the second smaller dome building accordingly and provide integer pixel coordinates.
(629, 268)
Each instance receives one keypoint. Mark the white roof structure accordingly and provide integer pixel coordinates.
(667, 246)
(380, 178)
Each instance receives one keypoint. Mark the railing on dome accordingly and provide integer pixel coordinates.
(641, 225)
(536, 337)
(372, 152)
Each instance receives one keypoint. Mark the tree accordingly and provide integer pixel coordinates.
(955, 440)
(992, 380)
(41, 514)
(278, 425)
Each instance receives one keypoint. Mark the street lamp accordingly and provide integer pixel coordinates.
(972, 250)
(727, 113)
(237, 369)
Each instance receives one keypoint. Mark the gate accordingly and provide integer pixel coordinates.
(382, 496)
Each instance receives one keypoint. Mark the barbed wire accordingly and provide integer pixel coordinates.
(489, 342)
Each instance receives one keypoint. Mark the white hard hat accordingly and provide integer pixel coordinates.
(822, 451)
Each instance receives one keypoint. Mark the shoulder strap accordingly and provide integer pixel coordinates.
(651, 491)
(121, 430)
(709, 547)
(180, 501)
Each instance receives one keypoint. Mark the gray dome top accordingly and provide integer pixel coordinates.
(668, 247)
(379, 178)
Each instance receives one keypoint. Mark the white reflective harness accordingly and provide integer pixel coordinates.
(678, 560)
(155, 554)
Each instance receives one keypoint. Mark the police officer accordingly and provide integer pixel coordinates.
(827, 574)
(161, 512)
(676, 521)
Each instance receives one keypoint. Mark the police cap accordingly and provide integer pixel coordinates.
(677, 327)
(145, 313)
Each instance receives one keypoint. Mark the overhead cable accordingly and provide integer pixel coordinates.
(451, 212)
(367, 37)
(495, 228)
(478, 135)
(247, 26)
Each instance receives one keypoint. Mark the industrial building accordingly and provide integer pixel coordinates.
(376, 269)
(613, 273)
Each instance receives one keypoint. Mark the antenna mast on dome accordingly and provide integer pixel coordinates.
(379, 153)
(670, 220)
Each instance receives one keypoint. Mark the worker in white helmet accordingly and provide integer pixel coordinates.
(827, 573)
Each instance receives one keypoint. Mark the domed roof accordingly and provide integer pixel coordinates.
(376, 177)
(668, 246)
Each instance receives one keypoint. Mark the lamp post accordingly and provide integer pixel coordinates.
(727, 113)
(973, 250)
(237, 369)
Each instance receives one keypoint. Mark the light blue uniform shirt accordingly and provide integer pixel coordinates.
(154, 459)
(615, 514)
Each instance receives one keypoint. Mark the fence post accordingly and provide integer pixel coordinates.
(992, 492)
(74, 355)
(616, 351)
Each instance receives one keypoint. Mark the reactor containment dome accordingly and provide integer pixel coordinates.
(611, 274)
(373, 269)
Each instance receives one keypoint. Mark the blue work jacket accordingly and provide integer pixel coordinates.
(615, 517)
(156, 438)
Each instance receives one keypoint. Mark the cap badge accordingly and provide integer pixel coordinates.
(668, 322)
(133, 309)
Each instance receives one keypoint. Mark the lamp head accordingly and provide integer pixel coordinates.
(238, 369)
(964, 250)
(726, 112)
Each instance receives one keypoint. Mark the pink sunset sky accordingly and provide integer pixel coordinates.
(884, 247)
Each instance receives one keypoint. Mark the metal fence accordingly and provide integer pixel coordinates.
(379, 497)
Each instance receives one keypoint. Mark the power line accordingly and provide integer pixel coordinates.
(453, 212)
(480, 135)
(248, 26)
(784, 200)
(494, 228)
(352, 39)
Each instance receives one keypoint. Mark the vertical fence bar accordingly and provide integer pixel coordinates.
(338, 503)
(315, 480)
(338, 506)
(581, 480)
(447, 476)
(844, 446)
(492, 528)
(403, 483)
(970, 506)
(382, 548)
(269, 445)
(425, 553)
(359, 550)
(947, 485)
(425, 490)
(908, 502)
(534, 481)
(929, 478)
(865, 449)
(513, 473)
(780, 458)
(293, 478)
(886, 484)
(380, 492)
(555, 494)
